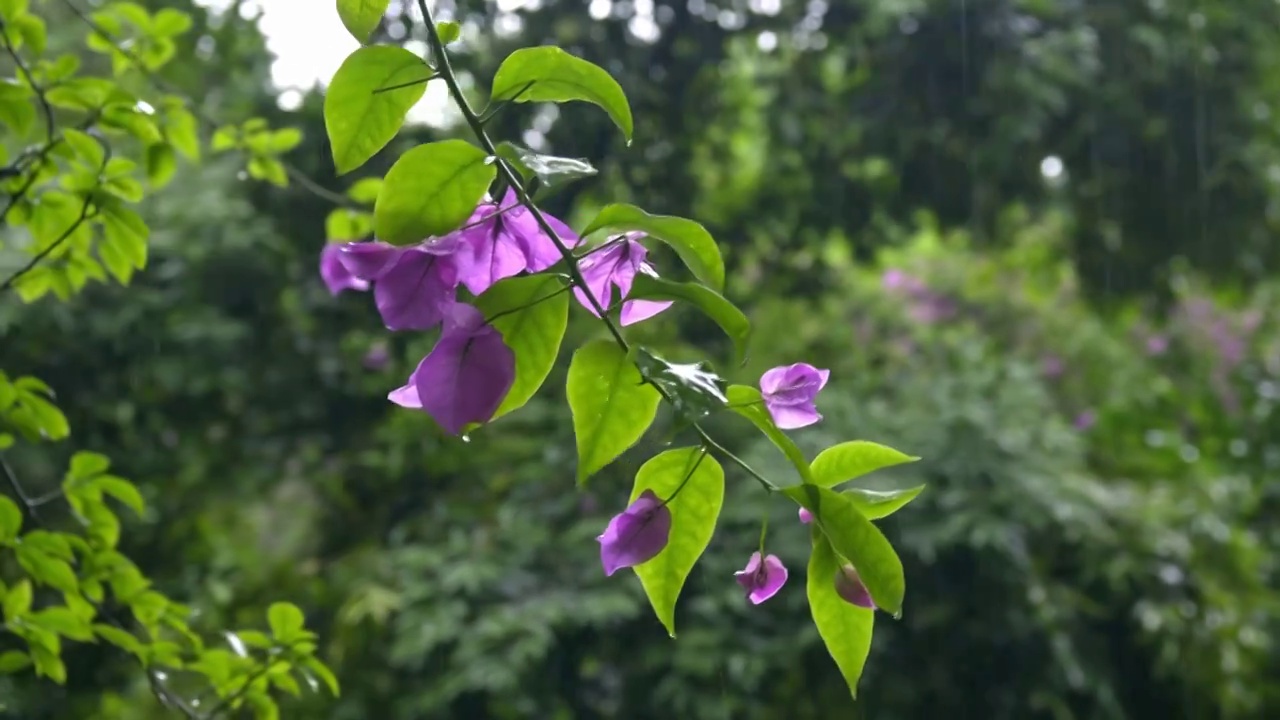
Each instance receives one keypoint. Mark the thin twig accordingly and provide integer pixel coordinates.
(445, 69)
(31, 265)
(35, 87)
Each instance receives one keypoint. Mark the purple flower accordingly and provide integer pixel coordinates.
(762, 579)
(1085, 420)
(499, 242)
(636, 535)
(616, 266)
(806, 517)
(894, 279)
(336, 276)
(413, 285)
(1157, 344)
(377, 356)
(789, 392)
(465, 376)
(850, 588)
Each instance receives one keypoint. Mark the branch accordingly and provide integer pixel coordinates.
(158, 687)
(445, 70)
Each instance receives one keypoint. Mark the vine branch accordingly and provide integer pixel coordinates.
(512, 179)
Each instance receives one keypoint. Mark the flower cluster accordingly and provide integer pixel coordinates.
(640, 532)
(467, 374)
(465, 377)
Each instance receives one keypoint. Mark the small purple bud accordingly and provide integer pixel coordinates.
(636, 535)
(850, 588)
(376, 357)
(789, 392)
(762, 579)
(1157, 345)
(806, 517)
(1085, 420)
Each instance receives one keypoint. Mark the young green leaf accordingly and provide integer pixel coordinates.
(360, 114)
(850, 460)
(12, 661)
(549, 74)
(844, 627)
(449, 31)
(854, 537)
(747, 402)
(431, 190)
(286, 620)
(724, 313)
(64, 622)
(10, 520)
(46, 569)
(17, 602)
(361, 17)
(531, 313)
(695, 246)
(694, 511)
(876, 504)
(611, 404)
(161, 164)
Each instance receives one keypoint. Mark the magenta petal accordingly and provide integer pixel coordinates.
(792, 417)
(369, 260)
(762, 579)
(789, 392)
(416, 291)
(335, 274)
(405, 396)
(467, 374)
(636, 535)
(634, 311)
(806, 517)
(539, 250)
(485, 256)
(850, 588)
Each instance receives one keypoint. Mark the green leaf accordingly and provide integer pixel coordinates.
(365, 190)
(161, 163)
(86, 148)
(850, 460)
(361, 17)
(448, 31)
(46, 569)
(611, 404)
(86, 465)
(122, 639)
(549, 169)
(13, 661)
(694, 392)
(531, 313)
(747, 402)
(33, 31)
(844, 627)
(286, 621)
(694, 512)
(64, 622)
(10, 520)
(854, 537)
(10, 10)
(549, 74)
(17, 602)
(124, 491)
(876, 504)
(695, 246)
(431, 190)
(170, 22)
(49, 664)
(359, 117)
(322, 671)
(724, 313)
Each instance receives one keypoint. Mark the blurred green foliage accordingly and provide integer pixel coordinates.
(1089, 364)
